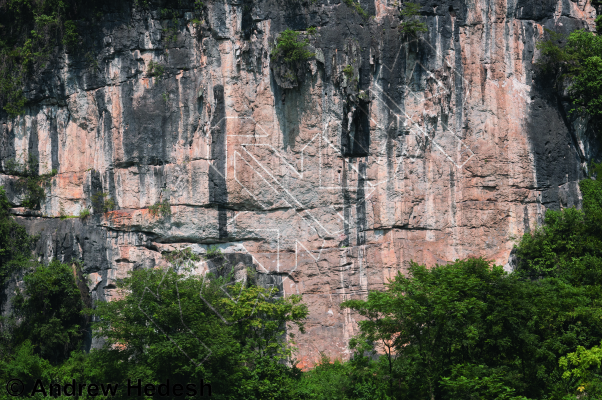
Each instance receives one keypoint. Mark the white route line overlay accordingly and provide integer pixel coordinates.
(298, 245)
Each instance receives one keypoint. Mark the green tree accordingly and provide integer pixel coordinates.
(470, 327)
(27, 366)
(172, 324)
(575, 63)
(291, 48)
(569, 244)
(583, 365)
(49, 311)
(410, 22)
(14, 242)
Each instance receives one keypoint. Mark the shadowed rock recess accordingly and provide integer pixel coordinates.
(326, 182)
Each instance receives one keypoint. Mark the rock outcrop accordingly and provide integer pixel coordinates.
(328, 182)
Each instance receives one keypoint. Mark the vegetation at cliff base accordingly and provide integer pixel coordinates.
(14, 242)
(465, 330)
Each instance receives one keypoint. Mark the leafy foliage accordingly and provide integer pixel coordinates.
(30, 181)
(102, 202)
(469, 327)
(28, 29)
(357, 7)
(213, 252)
(569, 244)
(50, 311)
(155, 69)
(27, 366)
(584, 366)
(291, 48)
(162, 208)
(84, 213)
(575, 62)
(14, 242)
(411, 25)
(348, 71)
(162, 329)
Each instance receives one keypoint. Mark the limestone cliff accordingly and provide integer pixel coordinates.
(328, 182)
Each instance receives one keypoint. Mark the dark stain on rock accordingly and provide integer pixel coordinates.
(556, 153)
(355, 135)
(218, 191)
(360, 205)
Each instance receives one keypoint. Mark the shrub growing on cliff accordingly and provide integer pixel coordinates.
(357, 7)
(348, 71)
(160, 208)
(291, 48)
(411, 25)
(30, 181)
(102, 202)
(575, 63)
(155, 69)
(27, 32)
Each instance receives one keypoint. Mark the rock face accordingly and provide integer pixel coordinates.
(327, 182)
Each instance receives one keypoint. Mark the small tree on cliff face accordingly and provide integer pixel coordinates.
(291, 48)
(411, 25)
(575, 63)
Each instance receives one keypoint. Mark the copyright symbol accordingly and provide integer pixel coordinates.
(14, 387)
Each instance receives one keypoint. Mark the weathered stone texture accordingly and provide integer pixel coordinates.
(433, 149)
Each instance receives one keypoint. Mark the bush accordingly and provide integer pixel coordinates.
(70, 36)
(348, 71)
(357, 7)
(155, 69)
(291, 48)
(568, 245)
(575, 63)
(213, 252)
(410, 24)
(30, 181)
(102, 202)
(162, 208)
(83, 214)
